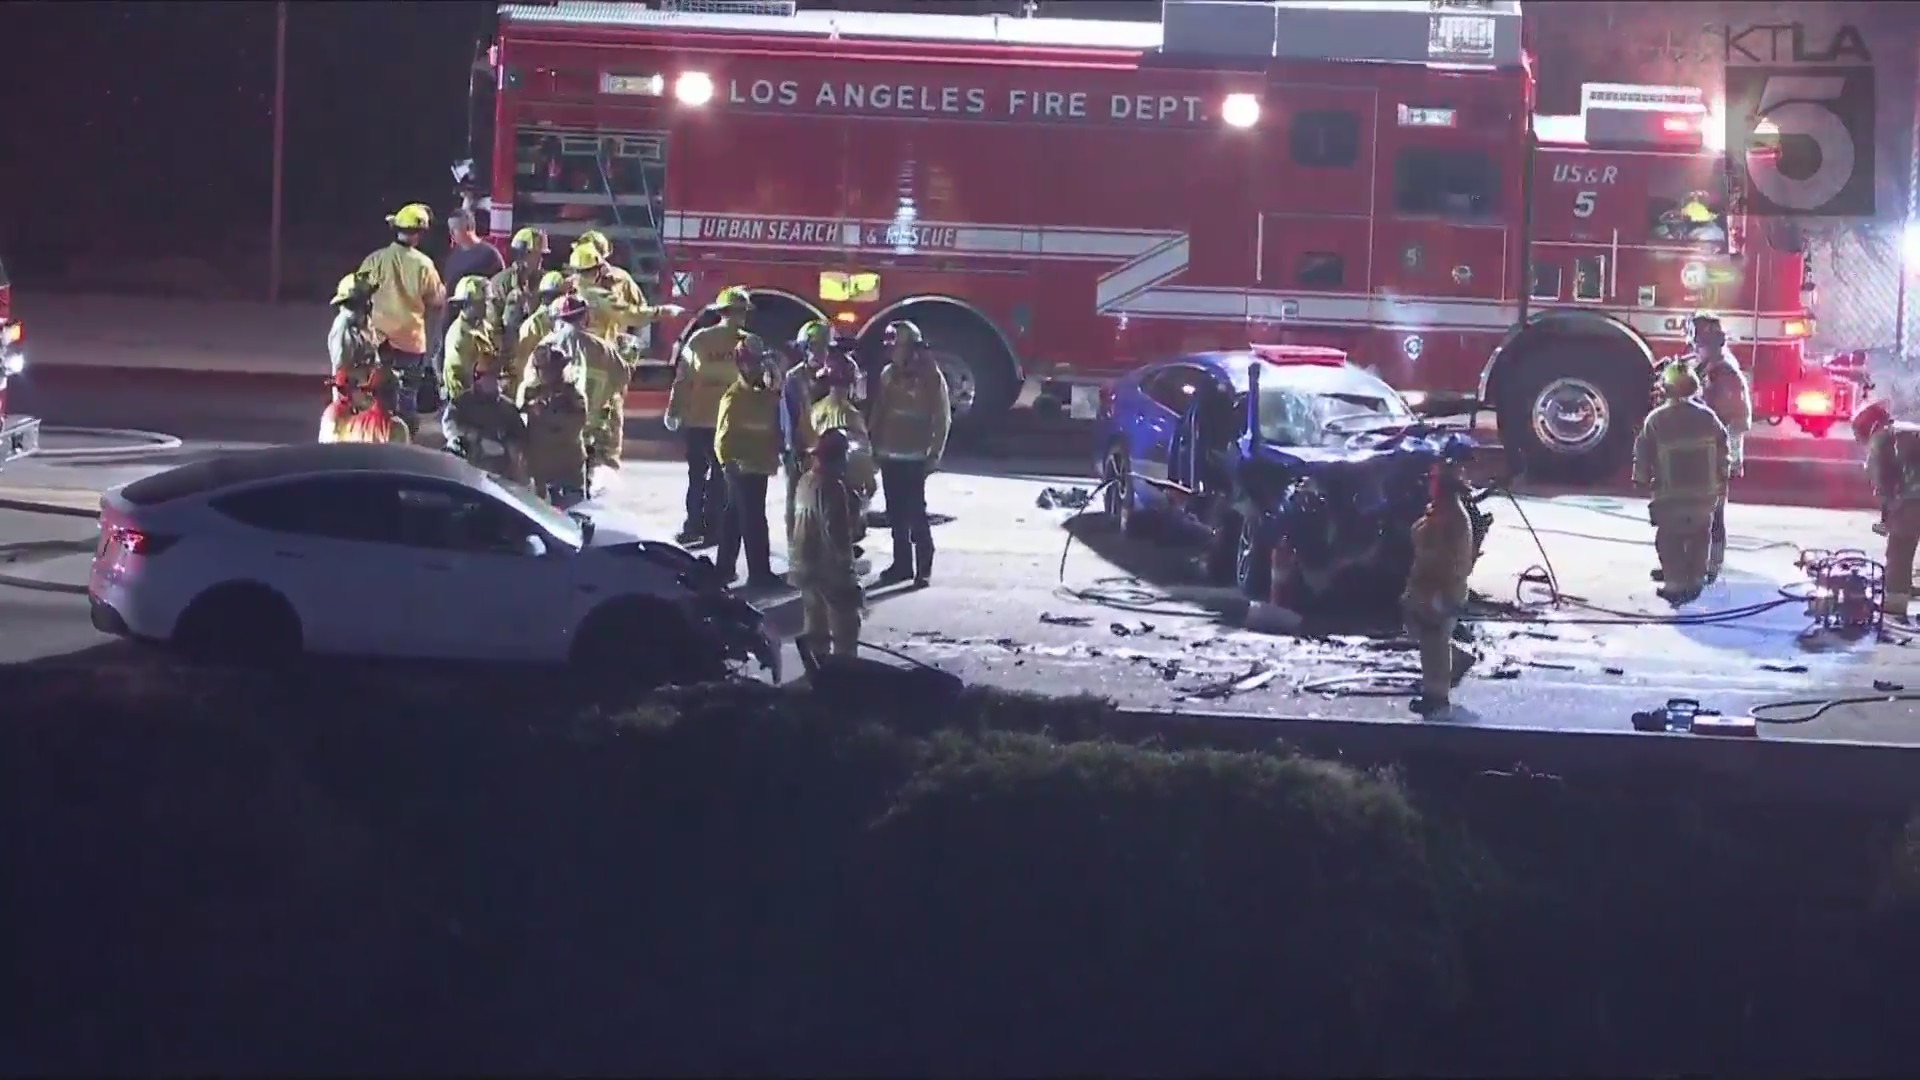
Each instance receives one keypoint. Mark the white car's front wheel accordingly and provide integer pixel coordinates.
(642, 643)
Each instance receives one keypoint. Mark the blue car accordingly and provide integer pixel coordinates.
(1290, 459)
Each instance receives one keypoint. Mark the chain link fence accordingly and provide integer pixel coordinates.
(1857, 271)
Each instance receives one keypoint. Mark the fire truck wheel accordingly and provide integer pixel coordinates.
(1573, 415)
(979, 372)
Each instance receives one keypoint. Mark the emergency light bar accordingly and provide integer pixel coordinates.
(1628, 114)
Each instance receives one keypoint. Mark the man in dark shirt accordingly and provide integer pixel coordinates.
(469, 254)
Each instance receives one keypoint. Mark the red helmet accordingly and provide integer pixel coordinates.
(1869, 419)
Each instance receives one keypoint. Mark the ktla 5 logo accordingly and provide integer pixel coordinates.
(1800, 124)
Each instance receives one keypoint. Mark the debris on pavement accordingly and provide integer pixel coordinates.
(1888, 686)
(1067, 498)
(1271, 619)
(1051, 619)
(1783, 667)
(1136, 630)
(1611, 670)
(1255, 677)
(1507, 669)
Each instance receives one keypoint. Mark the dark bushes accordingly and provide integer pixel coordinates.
(236, 873)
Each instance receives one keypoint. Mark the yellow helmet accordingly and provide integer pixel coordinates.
(596, 240)
(733, 296)
(529, 240)
(355, 286)
(905, 331)
(472, 289)
(586, 257)
(411, 216)
(553, 283)
(1678, 376)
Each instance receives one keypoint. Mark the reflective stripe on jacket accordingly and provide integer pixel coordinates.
(350, 345)
(1724, 389)
(1442, 557)
(1682, 454)
(747, 428)
(822, 554)
(406, 285)
(912, 414)
(705, 371)
(470, 347)
(1893, 463)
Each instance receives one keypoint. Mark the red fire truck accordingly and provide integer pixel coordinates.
(1057, 200)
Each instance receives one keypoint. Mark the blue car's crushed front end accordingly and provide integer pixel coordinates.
(1336, 522)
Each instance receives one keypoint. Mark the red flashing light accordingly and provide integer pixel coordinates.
(1813, 403)
(1317, 355)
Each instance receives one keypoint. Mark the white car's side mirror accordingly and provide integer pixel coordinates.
(536, 547)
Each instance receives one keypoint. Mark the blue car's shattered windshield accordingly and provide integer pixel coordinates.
(1312, 406)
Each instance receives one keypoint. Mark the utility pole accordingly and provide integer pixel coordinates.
(279, 146)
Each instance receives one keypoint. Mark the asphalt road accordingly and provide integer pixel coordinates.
(1015, 604)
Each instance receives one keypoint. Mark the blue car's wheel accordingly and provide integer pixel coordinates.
(1116, 477)
(1253, 562)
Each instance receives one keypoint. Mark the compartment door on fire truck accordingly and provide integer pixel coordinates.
(568, 181)
(1314, 216)
(1440, 239)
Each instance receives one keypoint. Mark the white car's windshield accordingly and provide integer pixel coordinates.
(556, 522)
(1309, 406)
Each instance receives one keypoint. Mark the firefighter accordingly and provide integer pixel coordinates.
(822, 559)
(350, 342)
(513, 294)
(374, 418)
(911, 417)
(838, 380)
(1893, 467)
(597, 372)
(611, 292)
(1681, 456)
(1436, 591)
(1724, 389)
(533, 330)
(705, 370)
(406, 286)
(342, 389)
(483, 426)
(746, 442)
(796, 408)
(556, 419)
(471, 345)
(614, 303)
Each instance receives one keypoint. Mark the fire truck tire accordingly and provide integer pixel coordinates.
(1571, 412)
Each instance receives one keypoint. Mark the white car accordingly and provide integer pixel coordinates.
(394, 551)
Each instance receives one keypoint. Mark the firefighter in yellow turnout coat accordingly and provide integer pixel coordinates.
(822, 556)
(596, 372)
(1443, 557)
(1681, 458)
(1893, 465)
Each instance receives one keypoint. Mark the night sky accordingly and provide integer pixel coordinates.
(150, 124)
